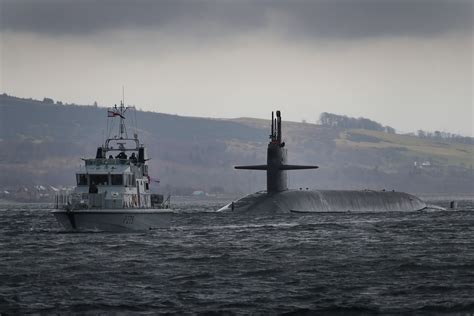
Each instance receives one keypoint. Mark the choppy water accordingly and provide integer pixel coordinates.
(214, 263)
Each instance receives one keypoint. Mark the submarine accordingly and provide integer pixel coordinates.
(277, 198)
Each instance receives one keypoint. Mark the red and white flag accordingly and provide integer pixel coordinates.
(150, 180)
(114, 114)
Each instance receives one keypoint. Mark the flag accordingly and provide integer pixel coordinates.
(114, 114)
(150, 180)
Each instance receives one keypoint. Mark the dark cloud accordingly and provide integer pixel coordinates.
(380, 18)
(325, 18)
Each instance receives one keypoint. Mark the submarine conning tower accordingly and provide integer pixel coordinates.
(276, 166)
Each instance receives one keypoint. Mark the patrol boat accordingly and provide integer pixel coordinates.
(113, 189)
(278, 198)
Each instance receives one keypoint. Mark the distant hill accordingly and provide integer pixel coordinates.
(41, 142)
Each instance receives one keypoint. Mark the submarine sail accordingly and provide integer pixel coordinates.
(278, 198)
(276, 166)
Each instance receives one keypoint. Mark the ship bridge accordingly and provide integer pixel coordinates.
(116, 172)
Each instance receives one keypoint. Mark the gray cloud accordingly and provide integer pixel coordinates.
(324, 18)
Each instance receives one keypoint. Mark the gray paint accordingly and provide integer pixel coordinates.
(276, 166)
(115, 220)
(326, 201)
(279, 199)
(276, 178)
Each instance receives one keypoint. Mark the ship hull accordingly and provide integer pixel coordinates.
(114, 220)
(326, 201)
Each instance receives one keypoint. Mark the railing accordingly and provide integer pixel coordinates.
(96, 200)
(61, 200)
(106, 161)
(158, 201)
(166, 203)
(75, 201)
(81, 201)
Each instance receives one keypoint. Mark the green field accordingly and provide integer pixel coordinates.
(451, 154)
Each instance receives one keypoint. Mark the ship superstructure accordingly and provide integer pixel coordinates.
(116, 181)
(118, 176)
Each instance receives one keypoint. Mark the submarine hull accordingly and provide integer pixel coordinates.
(326, 201)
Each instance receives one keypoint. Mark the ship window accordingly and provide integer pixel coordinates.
(99, 179)
(116, 179)
(82, 179)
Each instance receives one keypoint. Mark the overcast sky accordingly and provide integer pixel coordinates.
(408, 64)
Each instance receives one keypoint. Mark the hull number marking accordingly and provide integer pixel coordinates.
(128, 219)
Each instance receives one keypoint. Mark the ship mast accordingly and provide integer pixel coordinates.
(121, 137)
(122, 117)
(123, 129)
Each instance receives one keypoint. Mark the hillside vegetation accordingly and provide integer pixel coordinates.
(41, 142)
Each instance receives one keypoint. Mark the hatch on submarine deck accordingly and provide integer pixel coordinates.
(278, 198)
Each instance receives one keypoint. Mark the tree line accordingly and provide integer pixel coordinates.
(342, 121)
(445, 137)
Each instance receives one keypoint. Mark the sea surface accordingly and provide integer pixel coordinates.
(388, 263)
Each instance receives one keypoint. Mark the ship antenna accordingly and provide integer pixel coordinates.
(123, 95)
(135, 116)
